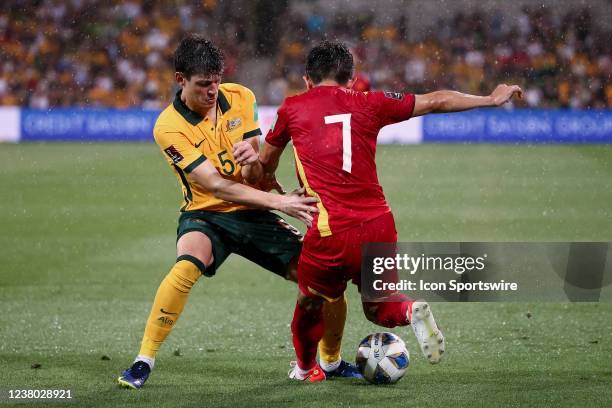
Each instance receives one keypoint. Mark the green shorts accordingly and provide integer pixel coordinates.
(258, 235)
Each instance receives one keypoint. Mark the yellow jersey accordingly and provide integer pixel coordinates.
(187, 139)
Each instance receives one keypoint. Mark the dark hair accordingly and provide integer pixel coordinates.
(330, 60)
(196, 55)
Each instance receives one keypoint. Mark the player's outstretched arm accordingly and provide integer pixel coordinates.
(452, 101)
(294, 205)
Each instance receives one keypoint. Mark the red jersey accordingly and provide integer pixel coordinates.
(334, 133)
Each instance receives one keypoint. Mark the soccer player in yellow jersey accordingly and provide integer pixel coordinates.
(208, 135)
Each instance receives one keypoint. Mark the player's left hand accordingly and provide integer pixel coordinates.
(244, 154)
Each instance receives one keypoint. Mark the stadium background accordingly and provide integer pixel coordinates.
(88, 227)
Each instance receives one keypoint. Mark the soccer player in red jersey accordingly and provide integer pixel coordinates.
(334, 131)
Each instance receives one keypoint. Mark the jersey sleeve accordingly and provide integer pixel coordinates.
(278, 135)
(392, 107)
(251, 116)
(178, 150)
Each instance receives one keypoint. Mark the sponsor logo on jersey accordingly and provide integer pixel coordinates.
(394, 95)
(174, 154)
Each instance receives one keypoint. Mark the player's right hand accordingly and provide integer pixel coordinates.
(503, 93)
(244, 154)
(296, 205)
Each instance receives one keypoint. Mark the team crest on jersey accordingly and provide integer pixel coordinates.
(394, 95)
(174, 154)
(233, 124)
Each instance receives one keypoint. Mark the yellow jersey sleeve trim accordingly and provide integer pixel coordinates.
(323, 220)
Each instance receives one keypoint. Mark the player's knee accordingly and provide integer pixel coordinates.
(194, 255)
(310, 303)
(197, 245)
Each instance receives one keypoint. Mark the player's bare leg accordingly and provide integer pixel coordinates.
(194, 253)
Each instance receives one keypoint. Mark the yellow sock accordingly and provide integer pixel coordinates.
(169, 302)
(334, 316)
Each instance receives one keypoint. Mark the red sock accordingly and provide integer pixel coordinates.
(307, 330)
(393, 312)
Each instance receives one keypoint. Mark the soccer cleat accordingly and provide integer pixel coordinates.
(315, 374)
(135, 376)
(429, 336)
(344, 370)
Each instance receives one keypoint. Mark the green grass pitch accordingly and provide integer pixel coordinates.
(88, 232)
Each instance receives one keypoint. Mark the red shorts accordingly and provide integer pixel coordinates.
(328, 263)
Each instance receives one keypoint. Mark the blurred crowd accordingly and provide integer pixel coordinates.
(560, 62)
(119, 53)
(116, 53)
